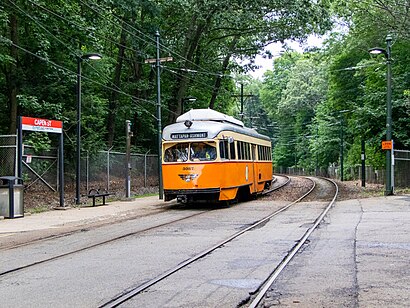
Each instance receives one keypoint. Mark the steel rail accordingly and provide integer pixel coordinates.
(3, 273)
(277, 187)
(294, 250)
(130, 293)
(96, 244)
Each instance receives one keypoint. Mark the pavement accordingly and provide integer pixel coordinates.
(73, 217)
(379, 228)
(77, 216)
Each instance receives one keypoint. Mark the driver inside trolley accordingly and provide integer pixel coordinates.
(202, 151)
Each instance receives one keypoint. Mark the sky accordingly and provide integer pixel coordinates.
(276, 48)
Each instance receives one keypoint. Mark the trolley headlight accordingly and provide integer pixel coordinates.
(188, 123)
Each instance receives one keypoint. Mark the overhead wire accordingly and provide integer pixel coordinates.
(148, 39)
(210, 87)
(74, 73)
(86, 29)
(73, 52)
(116, 89)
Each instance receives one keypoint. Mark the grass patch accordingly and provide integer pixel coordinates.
(402, 191)
(144, 195)
(38, 209)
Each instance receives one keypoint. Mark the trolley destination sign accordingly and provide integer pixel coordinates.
(41, 125)
(189, 135)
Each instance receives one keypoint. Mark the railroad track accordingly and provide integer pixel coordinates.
(101, 243)
(284, 181)
(272, 278)
(131, 292)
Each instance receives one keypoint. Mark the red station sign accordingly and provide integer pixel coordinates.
(41, 125)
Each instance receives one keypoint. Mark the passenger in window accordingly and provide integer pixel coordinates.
(198, 152)
(169, 155)
(210, 153)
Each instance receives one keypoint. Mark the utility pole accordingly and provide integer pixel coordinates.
(388, 142)
(341, 149)
(128, 135)
(363, 162)
(389, 182)
(157, 62)
(242, 102)
(242, 96)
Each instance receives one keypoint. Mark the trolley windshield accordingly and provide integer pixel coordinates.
(195, 151)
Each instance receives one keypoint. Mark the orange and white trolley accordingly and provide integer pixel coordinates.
(210, 156)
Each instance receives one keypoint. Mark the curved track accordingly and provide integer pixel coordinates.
(295, 249)
(131, 292)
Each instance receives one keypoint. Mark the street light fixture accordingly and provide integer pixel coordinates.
(185, 100)
(91, 56)
(387, 53)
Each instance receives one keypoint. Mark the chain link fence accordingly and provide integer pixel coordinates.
(40, 169)
(402, 168)
(107, 170)
(8, 155)
(373, 176)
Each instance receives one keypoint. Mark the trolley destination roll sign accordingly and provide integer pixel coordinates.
(189, 135)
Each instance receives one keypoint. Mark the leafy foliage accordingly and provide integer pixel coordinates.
(42, 42)
(347, 102)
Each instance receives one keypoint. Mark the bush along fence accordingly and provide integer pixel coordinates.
(372, 176)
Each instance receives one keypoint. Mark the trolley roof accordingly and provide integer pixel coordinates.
(206, 123)
(208, 115)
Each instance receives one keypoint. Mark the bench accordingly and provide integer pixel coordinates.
(96, 193)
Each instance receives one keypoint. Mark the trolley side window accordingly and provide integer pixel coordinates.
(232, 150)
(253, 151)
(247, 151)
(177, 153)
(264, 153)
(227, 149)
(223, 149)
(240, 150)
(202, 151)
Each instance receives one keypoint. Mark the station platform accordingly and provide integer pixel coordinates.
(54, 222)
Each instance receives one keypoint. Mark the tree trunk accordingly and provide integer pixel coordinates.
(191, 44)
(113, 101)
(218, 80)
(12, 76)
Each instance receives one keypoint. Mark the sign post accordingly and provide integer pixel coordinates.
(389, 146)
(43, 126)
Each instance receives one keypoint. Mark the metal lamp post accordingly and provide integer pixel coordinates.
(91, 56)
(387, 53)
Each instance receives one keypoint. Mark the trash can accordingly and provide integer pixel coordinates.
(11, 197)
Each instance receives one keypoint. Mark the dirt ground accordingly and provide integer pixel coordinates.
(40, 198)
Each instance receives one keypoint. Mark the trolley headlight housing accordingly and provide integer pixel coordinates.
(188, 123)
